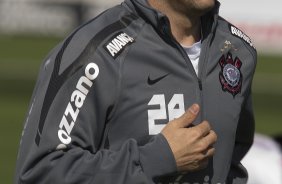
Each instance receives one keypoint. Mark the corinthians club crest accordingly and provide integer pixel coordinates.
(230, 75)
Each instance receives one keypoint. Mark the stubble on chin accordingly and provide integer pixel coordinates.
(196, 7)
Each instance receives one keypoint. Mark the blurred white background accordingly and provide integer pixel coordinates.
(261, 20)
(31, 20)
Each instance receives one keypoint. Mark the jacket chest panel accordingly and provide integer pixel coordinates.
(157, 86)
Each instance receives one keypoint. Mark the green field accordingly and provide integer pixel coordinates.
(20, 58)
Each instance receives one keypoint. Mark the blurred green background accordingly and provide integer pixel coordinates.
(21, 56)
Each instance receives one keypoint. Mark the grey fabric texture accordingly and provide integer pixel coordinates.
(104, 93)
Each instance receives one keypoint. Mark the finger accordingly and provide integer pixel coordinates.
(203, 128)
(188, 117)
(210, 139)
(209, 152)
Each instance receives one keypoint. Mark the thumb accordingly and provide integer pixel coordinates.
(188, 117)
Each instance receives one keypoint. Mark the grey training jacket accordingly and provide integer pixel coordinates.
(104, 94)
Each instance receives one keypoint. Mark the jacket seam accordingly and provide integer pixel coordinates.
(120, 79)
(119, 87)
(251, 51)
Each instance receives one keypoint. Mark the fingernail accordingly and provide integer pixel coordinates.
(194, 109)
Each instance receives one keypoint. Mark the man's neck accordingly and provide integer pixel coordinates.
(186, 29)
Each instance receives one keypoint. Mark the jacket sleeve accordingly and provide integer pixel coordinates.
(245, 131)
(243, 142)
(64, 130)
(244, 134)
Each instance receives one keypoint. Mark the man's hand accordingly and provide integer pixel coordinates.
(192, 146)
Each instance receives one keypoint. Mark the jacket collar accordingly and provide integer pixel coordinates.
(144, 10)
(156, 18)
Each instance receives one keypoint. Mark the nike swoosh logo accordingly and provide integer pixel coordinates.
(154, 81)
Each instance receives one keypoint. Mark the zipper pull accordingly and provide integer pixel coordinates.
(200, 84)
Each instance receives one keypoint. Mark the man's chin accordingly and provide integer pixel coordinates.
(204, 10)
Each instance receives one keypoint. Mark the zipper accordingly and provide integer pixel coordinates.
(202, 61)
(200, 84)
(202, 67)
(167, 31)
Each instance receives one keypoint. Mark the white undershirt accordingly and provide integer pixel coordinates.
(193, 53)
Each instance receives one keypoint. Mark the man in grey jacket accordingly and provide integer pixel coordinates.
(109, 104)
